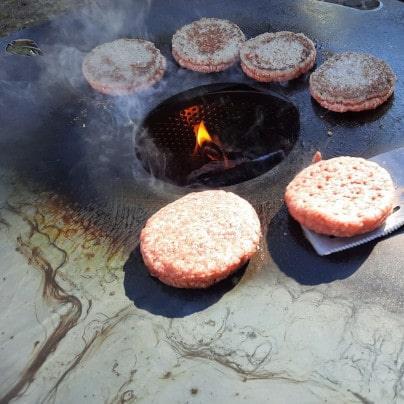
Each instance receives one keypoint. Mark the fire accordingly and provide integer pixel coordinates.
(208, 146)
(202, 134)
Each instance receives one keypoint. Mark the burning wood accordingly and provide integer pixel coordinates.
(230, 172)
(222, 171)
(205, 145)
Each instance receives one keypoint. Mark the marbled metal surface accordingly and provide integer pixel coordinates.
(80, 319)
(69, 333)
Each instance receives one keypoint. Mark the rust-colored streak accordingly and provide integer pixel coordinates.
(72, 234)
(68, 242)
(79, 228)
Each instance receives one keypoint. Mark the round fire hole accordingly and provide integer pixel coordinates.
(217, 135)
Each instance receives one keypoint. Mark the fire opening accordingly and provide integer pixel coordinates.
(217, 135)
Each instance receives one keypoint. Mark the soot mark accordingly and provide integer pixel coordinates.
(150, 294)
(295, 256)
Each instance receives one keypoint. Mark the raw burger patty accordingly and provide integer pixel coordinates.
(200, 239)
(278, 56)
(123, 66)
(343, 196)
(352, 81)
(207, 45)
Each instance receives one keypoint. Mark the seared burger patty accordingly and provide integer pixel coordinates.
(123, 66)
(278, 56)
(352, 81)
(207, 45)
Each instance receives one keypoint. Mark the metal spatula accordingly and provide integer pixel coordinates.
(393, 162)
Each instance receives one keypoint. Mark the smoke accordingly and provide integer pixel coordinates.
(94, 135)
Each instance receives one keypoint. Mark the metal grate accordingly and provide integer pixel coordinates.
(249, 123)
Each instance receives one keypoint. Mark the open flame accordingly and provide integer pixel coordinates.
(208, 146)
(202, 134)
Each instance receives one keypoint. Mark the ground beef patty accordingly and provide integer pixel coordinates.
(277, 56)
(352, 81)
(123, 66)
(343, 196)
(200, 238)
(207, 45)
